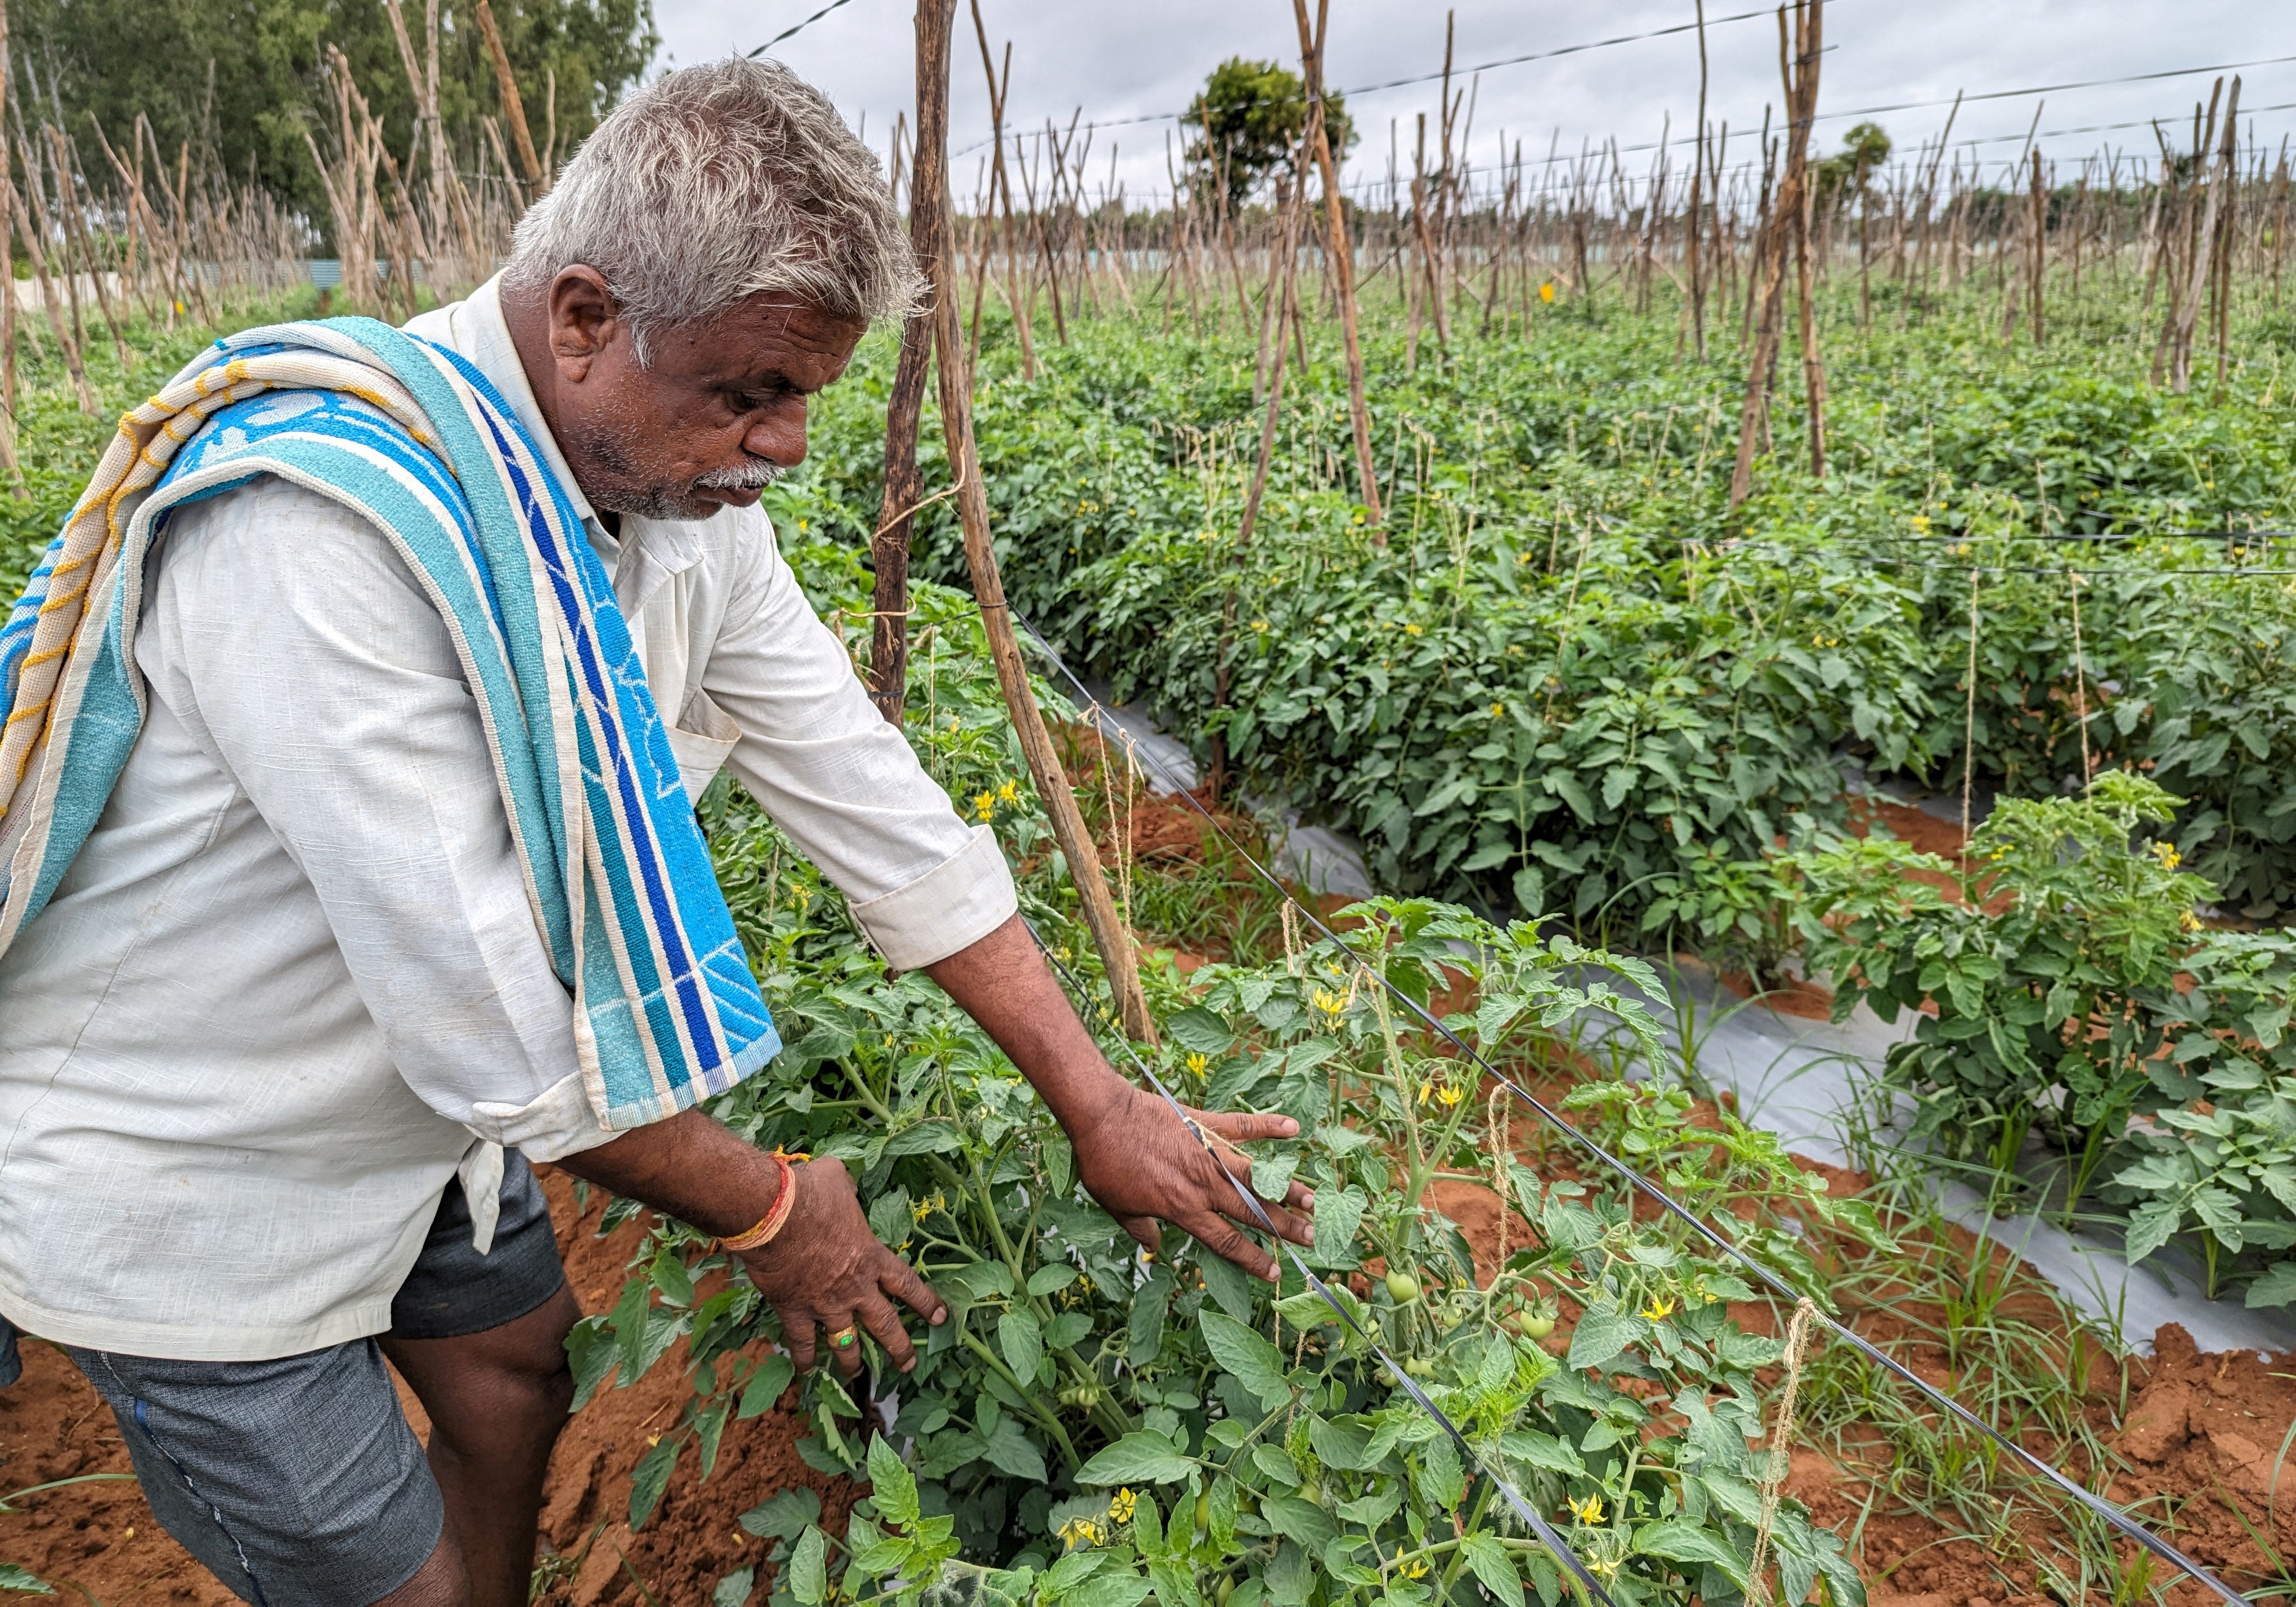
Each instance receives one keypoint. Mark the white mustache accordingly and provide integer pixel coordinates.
(755, 475)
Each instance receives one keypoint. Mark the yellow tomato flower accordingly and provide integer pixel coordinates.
(2190, 922)
(1922, 523)
(2165, 852)
(1331, 1004)
(1590, 1511)
(1499, 711)
(1081, 1531)
(1659, 1309)
(1451, 1097)
(1416, 1568)
(1413, 630)
(1119, 1508)
(984, 806)
(1196, 1062)
(1010, 793)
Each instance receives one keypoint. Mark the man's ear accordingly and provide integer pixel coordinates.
(585, 320)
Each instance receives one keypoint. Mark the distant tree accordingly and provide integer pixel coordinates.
(239, 79)
(1848, 171)
(1248, 119)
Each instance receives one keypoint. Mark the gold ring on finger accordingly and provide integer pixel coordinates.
(845, 1337)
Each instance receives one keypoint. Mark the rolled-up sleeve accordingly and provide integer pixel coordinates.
(844, 784)
(327, 682)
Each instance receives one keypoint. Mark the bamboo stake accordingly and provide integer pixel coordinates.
(1341, 249)
(936, 21)
(1697, 180)
(34, 227)
(1810, 19)
(888, 646)
(514, 108)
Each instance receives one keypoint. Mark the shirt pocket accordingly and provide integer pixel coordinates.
(701, 739)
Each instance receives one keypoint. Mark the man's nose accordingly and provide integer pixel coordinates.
(778, 435)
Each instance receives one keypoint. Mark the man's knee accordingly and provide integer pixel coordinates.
(510, 1379)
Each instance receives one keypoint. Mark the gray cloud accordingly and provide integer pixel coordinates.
(1124, 61)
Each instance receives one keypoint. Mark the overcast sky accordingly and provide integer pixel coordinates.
(1125, 59)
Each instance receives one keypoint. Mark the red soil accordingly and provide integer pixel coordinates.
(98, 1543)
(2202, 1435)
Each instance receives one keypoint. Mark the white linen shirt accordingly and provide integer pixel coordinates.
(293, 981)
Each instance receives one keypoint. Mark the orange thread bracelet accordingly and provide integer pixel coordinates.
(771, 1223)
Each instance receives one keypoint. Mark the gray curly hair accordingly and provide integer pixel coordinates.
(712, 184)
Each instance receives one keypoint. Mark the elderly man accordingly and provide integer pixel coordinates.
(332, 930)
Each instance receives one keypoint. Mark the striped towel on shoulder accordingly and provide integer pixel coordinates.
(410, 436)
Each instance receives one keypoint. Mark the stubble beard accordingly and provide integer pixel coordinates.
(622, 489)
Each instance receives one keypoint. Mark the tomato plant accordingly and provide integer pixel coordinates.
(1090, 1424)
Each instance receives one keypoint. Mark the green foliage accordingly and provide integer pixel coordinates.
(238, 78)
(1248, 118)
(2070, 989)
(1562, 675)
(2028, 957)
(1091, 1425)
(1865, 147)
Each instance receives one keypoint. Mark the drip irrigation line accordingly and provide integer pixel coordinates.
(2087, 572)
(2069, 536)
(1514, 1497)
(1728, 1248)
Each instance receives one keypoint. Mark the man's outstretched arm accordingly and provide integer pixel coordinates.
(823, 1267)
(1138, 1158)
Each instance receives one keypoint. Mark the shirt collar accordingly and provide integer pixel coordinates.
(653, 549)
(485, 340)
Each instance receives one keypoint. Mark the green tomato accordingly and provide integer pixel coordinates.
(1419, 1366)
(1226, 1589)
(1402, 1288)
(1204, 1509)
(1538, 1327)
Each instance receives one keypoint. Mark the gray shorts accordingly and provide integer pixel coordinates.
(298, 1482)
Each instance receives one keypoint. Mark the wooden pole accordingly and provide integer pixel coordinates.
(889, 648)
(514, 108)
(1809, 20)
(1342, 250)
(1697, 184)
(936, 21)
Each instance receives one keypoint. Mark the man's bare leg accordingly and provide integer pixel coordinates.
(497, 1400)
(439, 1582)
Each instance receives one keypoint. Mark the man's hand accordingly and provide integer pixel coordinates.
(826, 1269)
(1138, 1159)
(823, 1267)
(1143, 1162)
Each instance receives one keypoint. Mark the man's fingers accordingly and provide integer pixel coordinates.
(883, 1322)
(1145, 1232)
(844, 1342)
(1218, 1236)
(797, 1324)
(900, 1280)
(1244, 1125)
(1286, 1225)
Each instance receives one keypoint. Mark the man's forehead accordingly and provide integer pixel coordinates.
(770, 332)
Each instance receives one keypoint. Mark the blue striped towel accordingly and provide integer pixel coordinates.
(412, 437)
